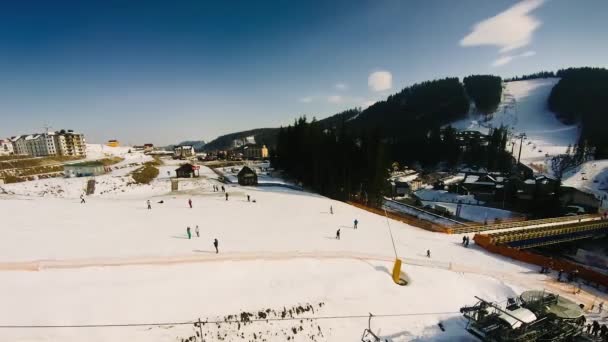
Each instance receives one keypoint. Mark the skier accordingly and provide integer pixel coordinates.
(82, 199)
(190, 203)
(428, 253)
(215, 243)
(226, 196)
(466, 244)
(248, 198)
(189, 233)
(168, 173)
(356, 223)
(223, 189)
(464, 240)
(149, 205)
(338, 234)
(331, 210)
(601, 307)
(197, 232)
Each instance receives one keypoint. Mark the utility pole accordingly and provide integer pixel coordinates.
(521, 142)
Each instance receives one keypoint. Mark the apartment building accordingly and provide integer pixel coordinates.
(60, 143)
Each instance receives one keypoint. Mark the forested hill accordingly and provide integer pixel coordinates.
(268, 136)
(405, 116)
(580, 96)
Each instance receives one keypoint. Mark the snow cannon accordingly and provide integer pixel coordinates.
(397, 273)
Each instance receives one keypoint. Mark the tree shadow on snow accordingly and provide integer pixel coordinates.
(180, 237)
(201, 251)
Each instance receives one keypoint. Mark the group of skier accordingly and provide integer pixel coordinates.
(198, 234)
(355, 225)
(217, 188)
(596, 330)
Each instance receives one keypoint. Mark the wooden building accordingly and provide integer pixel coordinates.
(187, 171)
(247, 176)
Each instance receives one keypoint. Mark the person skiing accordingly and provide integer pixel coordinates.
(464, 240)
(466, 244)
(197, 231)
(82, 199)
(248, 198)
(428, 253)
(356, 223)
(149, 205)
(226, 196)
(215, 243)
(223, 189)
(338, 234)
(601, 307)
(190, 203)
(189, 233)
(331, 210)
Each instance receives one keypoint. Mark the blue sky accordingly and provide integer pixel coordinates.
(162, 72)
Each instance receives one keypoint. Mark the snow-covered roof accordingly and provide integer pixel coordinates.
(32, 137)
(517, 316)
(15, 138)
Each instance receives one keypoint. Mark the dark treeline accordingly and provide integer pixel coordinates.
(485, 91)
(352, 152)
(541, 74)
(451, 147)
(333, 161)
(580, 96)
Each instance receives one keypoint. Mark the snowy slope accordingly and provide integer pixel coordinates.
(524, 110)
(113, 261)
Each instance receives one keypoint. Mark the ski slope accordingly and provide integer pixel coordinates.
(111, 260)
(524, 110)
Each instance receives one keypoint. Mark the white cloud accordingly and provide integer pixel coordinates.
(335, 99)
(502, 61)
(509, 30)
(380, 80)
(307, 99)
(508, 58)
(528, 54)
(341, 86)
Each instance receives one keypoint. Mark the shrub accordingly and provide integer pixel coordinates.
(145, 174)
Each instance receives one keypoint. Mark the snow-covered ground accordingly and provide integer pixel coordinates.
(524, 109)
(111, 261)
(591, 177)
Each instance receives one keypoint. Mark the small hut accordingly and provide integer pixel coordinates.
(186, 171)
(247, 176)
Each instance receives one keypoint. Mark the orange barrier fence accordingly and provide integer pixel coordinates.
(404, 218)
(591, 276)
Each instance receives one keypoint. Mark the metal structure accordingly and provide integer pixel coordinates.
(542, 236)
(533, 316)
(368, 334)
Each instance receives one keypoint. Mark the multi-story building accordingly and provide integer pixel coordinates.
(6, 147)
(61, 143)
(70, 143)
(36, 145)
(19, 145)
(255, 152)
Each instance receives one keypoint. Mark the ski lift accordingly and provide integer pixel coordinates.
(368, 335)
